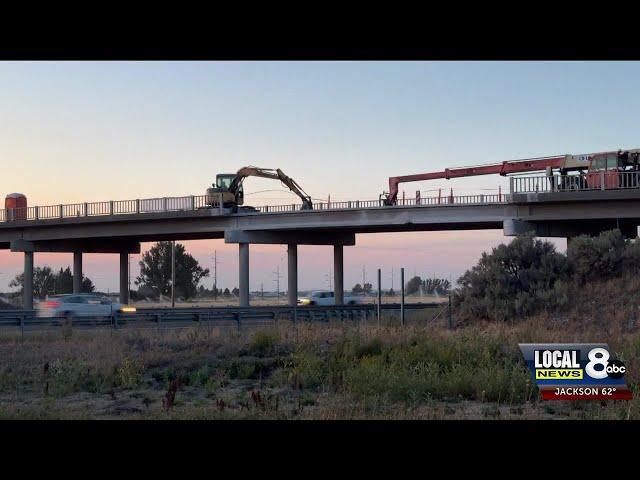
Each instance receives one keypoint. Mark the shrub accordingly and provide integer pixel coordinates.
(598, 257)
(263, 343)
(129, 373)
(511, 280)
(309, 369)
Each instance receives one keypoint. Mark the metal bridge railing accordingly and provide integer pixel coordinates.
(197, 202)
(601, 180)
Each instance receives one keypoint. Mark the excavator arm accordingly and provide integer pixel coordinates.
(275, 174)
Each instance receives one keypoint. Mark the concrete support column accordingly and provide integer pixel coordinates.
(292, 277)
(77, 272)
(243, 250)
(124, 278)
(338, 270)
(27, 294)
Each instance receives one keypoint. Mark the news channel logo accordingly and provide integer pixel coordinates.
(576, 371)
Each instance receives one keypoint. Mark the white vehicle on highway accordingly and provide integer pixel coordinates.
(321, 298)
(81, 305)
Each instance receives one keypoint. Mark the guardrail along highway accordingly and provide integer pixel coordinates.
(27, 320)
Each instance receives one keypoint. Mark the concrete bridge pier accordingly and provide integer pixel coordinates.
(292, 277)
(77, 271)
(338, 274)
(292, 239)
(243, 252)
(124, 278)
(78, 248)
(27, 293)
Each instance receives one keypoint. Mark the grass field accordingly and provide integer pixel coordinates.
(312, 371)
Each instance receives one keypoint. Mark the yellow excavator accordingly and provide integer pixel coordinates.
(228, 187)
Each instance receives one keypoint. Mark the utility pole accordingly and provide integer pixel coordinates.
(391, 278)
(379, 295)
(363, 276)
(329, 275)
(215, 275)
(173, 274)
(277, 280)
(402, 296)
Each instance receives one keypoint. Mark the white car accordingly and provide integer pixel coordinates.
(326, 298)
(80, 305)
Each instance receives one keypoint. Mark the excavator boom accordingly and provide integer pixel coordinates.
(276, 174)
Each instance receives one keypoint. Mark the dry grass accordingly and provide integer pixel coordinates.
(313, 371)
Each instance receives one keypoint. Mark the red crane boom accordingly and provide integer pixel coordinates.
(610, 162)
(504, 168)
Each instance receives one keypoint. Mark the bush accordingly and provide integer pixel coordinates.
(599, 257)
(263, 343)
(129, 373)
(512, 280)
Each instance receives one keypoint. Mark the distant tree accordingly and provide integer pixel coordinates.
(391, 292)
(43, 282)
(357, 289)
(87, 285)
(64, 281)
(18, 281)
(413, 285)
(367, 288)
(235, 292)
(436, 286)
(226, 292)
(155, 270)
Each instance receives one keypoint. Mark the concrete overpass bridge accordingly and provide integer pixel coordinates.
(120, 226)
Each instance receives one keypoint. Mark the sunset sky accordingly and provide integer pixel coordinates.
(90, 131)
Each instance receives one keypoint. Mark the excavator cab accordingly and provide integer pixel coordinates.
(223, 182)
(220, 191)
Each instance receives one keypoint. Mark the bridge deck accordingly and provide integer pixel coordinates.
(187, 218)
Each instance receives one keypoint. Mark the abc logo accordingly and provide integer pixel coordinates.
(616, 369)
(600, 367)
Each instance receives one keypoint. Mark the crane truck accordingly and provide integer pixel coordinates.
(228, 188)
(587, 171)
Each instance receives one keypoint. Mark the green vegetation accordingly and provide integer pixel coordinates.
(529, 276)
(428, 286)
(304, 372)
(46, 282)
(155, 271)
